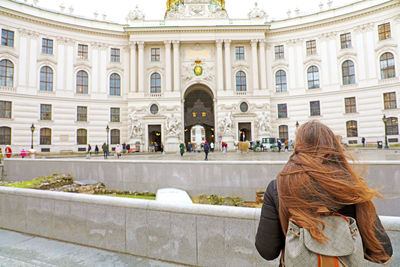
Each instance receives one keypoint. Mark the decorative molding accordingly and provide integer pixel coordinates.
(386, 44)
(310, 59)
(348, 52)
(364, 27)
(8, 52)
(83, 64)
(196, 9)
(46, 58)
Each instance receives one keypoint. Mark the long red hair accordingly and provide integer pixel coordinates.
(318, 175)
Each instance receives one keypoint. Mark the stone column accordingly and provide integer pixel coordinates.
(263, 74)
(141, 67)
(168, 66)
(177, 67)
(220, 73)
(132, 64)
(255, 63)
(228, 67)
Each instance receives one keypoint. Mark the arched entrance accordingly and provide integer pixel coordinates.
(199, 113)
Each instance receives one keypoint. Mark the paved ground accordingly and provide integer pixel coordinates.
(21, 250)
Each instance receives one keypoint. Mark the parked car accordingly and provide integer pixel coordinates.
(269, 144)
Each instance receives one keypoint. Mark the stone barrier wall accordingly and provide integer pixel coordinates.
(199, 235)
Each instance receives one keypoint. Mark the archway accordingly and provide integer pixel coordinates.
(199, 111)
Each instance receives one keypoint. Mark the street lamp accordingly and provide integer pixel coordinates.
(108, 131)
(384, 119)
(32, 130)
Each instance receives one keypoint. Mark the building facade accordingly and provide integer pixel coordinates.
(84, 81)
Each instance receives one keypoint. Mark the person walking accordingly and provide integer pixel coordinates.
(182, 149)
(118, 150)
(363, 141)
(279, 145)
(318, 177)
(105, 150)
(212, 146)
(286, 145)
(96, 150)
(89, 148)
(206, 148)
(24, 153)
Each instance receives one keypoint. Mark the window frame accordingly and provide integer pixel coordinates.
(114, 136)
(115, 114)
(115, 84)
(115, 55)
(351, 128)
(387, 65)
(81, 113)
(349, 105)
(155, 83)
(47, 83)
(83, 51)
(311, 47)
(82, 81)
(283, 131)
(45, 112)
(240, 53)
(45, 136)
(241, 81)
(389, 100)
(5, 135)
(315, 110)
(5, 109)
(81, 139)
(282, 111)
(6, 40)
(279, 51)
(47, 46)
(315, 84)
(155, 54)
(280, 86)
(384, 31)
(348, 72)
(392, 126)
(8, 74)
(345, 40)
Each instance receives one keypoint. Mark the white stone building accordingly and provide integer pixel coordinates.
(152, 81)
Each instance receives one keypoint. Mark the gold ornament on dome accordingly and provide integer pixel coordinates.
(172, 3)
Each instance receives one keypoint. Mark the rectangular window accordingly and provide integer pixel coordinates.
(311, 47)
(47, 46)
(45, 112)
(389, 100)
(345, 40)
(114, 115)
(82, 51)
(279, 52)
(315, 108)
(384, 31)
(115, 55)
(350, 105)
(282, 111)
(239, 52)
(81, 113)
(155, 54)
(7, 38)
(5, 109)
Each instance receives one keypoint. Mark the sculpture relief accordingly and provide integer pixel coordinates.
(263, 124)
(196, 9)
(135, 126)
(173, 127)
(226, 125)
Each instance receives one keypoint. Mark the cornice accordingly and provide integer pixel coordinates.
(195, 29)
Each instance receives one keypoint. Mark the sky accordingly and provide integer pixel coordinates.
(117, 10)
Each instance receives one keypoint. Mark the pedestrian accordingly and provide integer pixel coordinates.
(212, 146)
(279, 145)
(318, 177)
(206, 148)
(105, 150)
(286, 145)
(363, 141)
(89, 148)
(182, 148)
(128, 148)
(24, 153)
(1, 155)
(124, 148)
(118, 150)
(161, 148)
(96, 150)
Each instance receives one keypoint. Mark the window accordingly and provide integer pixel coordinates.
(283, 131)
(155, 83)
(392, 126)
(239, 52)
(244, 107)
(114, 115)
(5, 136)
(389, 100)
(384, 31)
(345, 40)
(46, 79)
(115, 84)
(81, 113)
(311, 47)
(315, 108)
(279, 52)
(82, 81)
(5, 109)
(155, 54)
(282, 111)
(45, 112)
(351, 127)
(6, 73)
(81, 136)
(241, 81)
(115, 137)
(47, 46)
(82, 51)
(115, 55)
(154, 109)
(45, 136)
(348, 74)
(280, 81)
(313, 77)
(7, 38)
(387, 66)
(350, 105)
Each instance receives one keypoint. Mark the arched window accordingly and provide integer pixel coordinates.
(241, 81)
(81, 137)
(283, 131)
(82, 81)
(115, 84)
(352, 130)
(115, 137)
(5, 136)
(155, 82)
(392, 126)
(6, 73)
(387, 66)
(46, 79)
(45, 136)
(348, 74)
(280, 81)
(313, 77)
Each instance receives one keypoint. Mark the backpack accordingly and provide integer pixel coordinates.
(342, 249)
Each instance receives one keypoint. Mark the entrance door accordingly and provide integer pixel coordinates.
(244, 131)
(154, 138)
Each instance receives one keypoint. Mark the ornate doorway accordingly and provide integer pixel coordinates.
(244, 131)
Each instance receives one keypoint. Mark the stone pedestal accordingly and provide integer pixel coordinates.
(172, 144)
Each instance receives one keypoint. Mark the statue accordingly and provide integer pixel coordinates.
(135, 126)
(226, 125)
(263, 126)
(173, 126)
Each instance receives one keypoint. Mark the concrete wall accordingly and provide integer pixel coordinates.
(200, 235)
(227, 178)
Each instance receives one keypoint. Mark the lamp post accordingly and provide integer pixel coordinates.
(384, 119)
(32, 130)
(108, 131)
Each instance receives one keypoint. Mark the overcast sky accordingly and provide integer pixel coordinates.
(116, 10)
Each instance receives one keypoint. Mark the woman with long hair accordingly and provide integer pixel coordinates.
(318, 176)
